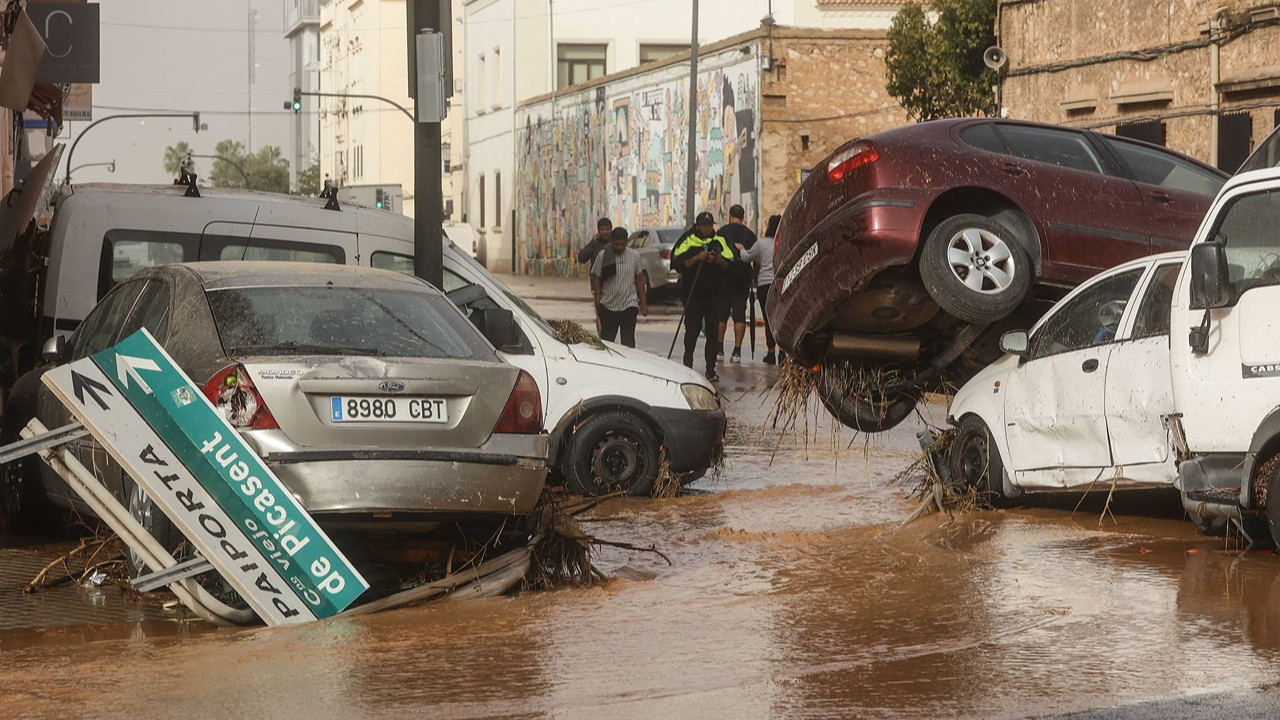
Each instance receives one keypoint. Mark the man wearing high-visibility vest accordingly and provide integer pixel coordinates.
(702, 258)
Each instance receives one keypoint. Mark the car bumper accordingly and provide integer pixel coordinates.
(507, 479)
(693, 438)
(854, 243)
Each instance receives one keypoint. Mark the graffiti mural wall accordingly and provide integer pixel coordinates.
(619, 151)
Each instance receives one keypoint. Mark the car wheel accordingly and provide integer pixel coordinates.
(974, 461)
(155, 521)
(1273, 502)
(612, 452)
(974, 269)
(851, 393)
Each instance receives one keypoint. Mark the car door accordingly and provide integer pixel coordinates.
(1139, 389)
(1176, 192)
(1055, 420)
(1092, 216)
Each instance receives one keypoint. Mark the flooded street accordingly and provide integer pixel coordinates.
(792, 591)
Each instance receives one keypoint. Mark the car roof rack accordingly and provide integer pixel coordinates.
(188, 178)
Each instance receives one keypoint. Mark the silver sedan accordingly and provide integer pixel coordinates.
(654, 245)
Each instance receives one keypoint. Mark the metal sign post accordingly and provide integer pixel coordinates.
(161, 429)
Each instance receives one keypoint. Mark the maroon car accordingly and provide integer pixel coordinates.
(905, 254)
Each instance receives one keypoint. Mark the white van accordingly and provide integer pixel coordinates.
(612, 413)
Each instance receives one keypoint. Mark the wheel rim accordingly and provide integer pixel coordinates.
(974, 461)
(981, 261)
(617, 462)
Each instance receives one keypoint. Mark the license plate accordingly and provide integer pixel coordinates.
(388, 409)
(801, 264)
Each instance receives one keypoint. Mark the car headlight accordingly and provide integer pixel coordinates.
(699, 398)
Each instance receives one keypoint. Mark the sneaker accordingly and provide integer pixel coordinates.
(736, 357)
(770, 359)
(719, 354)
(712, 376)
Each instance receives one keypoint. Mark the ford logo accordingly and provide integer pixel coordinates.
(391, 386)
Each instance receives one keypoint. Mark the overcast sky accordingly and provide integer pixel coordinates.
(180, 56)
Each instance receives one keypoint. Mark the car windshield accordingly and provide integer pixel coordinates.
(515, 299)
(1266, 155)
(343, 321)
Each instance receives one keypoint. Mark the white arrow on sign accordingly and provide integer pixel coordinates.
(128, 367)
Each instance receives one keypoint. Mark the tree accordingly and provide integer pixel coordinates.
(175, 157)
(935, 69)
(268, 170)
(309, 180)
(229, 168)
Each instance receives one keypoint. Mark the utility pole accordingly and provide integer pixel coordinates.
(429, 27)
(691, 179)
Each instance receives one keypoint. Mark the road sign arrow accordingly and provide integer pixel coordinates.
(81, 385)
(129, 366)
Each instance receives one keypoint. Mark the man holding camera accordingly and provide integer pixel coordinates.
(702, 258)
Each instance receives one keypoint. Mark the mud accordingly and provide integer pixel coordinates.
(792, 592)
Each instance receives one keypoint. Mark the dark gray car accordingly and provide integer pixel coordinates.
(366, 391)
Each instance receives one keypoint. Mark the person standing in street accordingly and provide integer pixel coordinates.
(617, 284)
(760, 256)
(702, 258)
(590, 250)
(737, 282)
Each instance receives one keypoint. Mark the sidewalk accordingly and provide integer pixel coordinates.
(538, 287)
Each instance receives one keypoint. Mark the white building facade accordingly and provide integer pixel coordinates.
(302, 30)
(515, 50)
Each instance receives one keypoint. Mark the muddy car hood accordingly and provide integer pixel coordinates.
(621, 357)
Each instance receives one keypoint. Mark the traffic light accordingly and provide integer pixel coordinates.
(297, 99)
(379, 199)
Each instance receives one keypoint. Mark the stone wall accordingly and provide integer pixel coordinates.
(1101, 63)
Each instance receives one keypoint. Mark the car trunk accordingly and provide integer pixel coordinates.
(367, 402)
(819, 195)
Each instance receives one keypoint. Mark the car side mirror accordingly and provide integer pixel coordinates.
(1015, 342)
(1210, 277)
(499, 327)
(55, 349)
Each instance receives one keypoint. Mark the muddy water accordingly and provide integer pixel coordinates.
(791, 592)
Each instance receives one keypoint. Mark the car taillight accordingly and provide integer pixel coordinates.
(523, 413)
(849, 159)
(665, 254)
(233, 394)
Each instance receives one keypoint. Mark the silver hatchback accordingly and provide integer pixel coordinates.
(654, 245)
(366, 391)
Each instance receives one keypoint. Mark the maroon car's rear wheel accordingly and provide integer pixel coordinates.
(974, 268)
(855, 394)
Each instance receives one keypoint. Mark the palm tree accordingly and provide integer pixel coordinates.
(177, 157)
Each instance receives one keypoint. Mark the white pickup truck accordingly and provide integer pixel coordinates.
(1156, 372)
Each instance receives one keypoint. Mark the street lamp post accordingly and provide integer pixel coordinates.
(195, 121)
(247, 184)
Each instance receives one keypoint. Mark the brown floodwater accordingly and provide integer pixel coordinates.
(792, 591)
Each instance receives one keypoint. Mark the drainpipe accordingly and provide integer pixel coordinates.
(1215, 72)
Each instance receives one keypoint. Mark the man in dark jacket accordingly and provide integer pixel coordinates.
(701, 257)
(588, 253)
(736, 290)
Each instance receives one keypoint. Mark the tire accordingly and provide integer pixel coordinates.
(1273, 503)
(974, 461)
(611, 452)
(974, 268)
(862, 410)
(155, 521)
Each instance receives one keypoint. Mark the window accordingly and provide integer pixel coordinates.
(1235, 132)
(1246, 227)
(1088, 319)
(480, 195)
(1056, 147)
(650, 52)
(151, 311)
(638, 239)
(1152, 131)
(1156, 167)
(579, 63)
(446, 152)
(497, 199)
(392, 261)
(497, 77)
(124, 252)
(1153, 313)
(983, 137)
(101, 328)
(481, 82)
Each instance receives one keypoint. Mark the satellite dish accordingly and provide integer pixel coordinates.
(994, 57)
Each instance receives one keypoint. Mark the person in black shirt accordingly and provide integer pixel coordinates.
(737, 282)
(590, 250)
(701, 257)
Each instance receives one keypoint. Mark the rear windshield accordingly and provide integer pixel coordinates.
(343, 321)
(670, 236)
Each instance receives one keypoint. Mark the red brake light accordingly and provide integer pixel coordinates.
(849, 159)
(237, 400)
(523, 413)
(665, 254)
